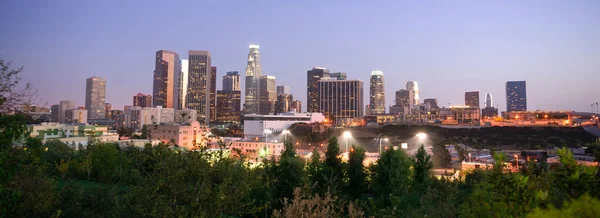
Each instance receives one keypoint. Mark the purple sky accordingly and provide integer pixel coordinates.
(448, 48)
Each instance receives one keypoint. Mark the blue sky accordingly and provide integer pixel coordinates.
(449, 47)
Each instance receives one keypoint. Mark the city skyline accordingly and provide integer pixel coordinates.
(482, 62)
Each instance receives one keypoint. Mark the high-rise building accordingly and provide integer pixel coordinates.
(283, 89)
(432, 103)
(166, 79)
(253, 74)
(403, 97)
(377, 93)
(267, 95)
(488, 100)
(228, 106)
(297, 106)
(338, 75)
(54, 112)
(231, 81)
(107, 109)
(64, 106)
(341, 100)
(199, 81)
(95, 97)
(413, 88)
(516, 96)
(472, 99)
(183, 84)
(312, 91)
(118, 117)
(284, 103)
(142, 100)
(213, 93)
(74, 116)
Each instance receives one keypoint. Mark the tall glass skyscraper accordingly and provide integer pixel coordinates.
(312, 90)
(199, 82)
(253, 74)
(377, 93)
(165, 89)
(488, 100)
(516, 96)
(472, 99)
(183, 84)
(231, 81)
(95, 97)
(413, 88)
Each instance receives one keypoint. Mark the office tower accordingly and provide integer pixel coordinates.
(199, 84)
(107, 109)
(516, 96)
(231, 81)
(284, 103)
(312, 90)
(267, 95)
(118, 117)
(283, 89)
(413, 88)
(432, 103)
(213, 93)
(142, 100)
(377, 93)
(183, 84)
(403, 97)
(253, 74)
(341, 100)
(131, 117)
(64, 106)
(166, 79)
(472, 99)
(338, 75)
(75, 116)
(54, 112)
(488, 100)
(228, 106)
(297, 106)
(95, 97)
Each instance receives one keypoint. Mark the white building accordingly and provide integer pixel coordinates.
(256, 124)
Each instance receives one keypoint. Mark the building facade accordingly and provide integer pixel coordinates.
(231, 81)
(377, 93)
(183, 84)
(54, 112)
(297, 106)
(64, 106)
(199, 82)
(338, 75)
(267, 95)
(432, 103)
(413, 89)
(284, 103)
(472, 99)
(118, 117)
(341, 100)
(403, 98)
(166, 79)
(256, 124)
(516, 96)
(142, 100)
(228, 106)
(213, 94)
(488, 100)
(283, 89)
(190, 136)
(253, 74)
(313, 77)
(76, 116)
(95, 97)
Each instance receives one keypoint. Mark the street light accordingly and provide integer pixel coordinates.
(267, 132)
(421, 136)
(347, 135)
(517, 157)
(285, 132)
(386, 140)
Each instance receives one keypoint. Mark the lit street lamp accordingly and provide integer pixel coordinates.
(421, 136)
(347, 135)
(386, 140)
(267, 132)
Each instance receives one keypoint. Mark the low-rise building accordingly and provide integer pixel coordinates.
(46, 131)
(190, 136)
(253, 150)
(256, 124)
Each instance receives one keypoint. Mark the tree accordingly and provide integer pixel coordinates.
(356, 172)
(333, 168)
(391, 177)
(315, 171)
(422, 170)
(13, 98)
(145, 133)
(288, 173)
(583, 207)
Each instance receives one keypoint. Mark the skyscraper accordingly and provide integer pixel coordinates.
(312, 91)
(64, 106)
(338, 75)
(253, 74)
(432, 103)
(377, 93)
(166, 79)
(95, 97)
(267, 95)
(107, 109)
(516, 96)
(142, 100)
(403, 98)
(472, 99)
(183, 85)
(199, 82)
(231, 81)
(54, 112)
(283, 89)
(341, 100)
(488, 100)
(413, 88)
(213, 93)
(284, 103)
(228, 106)
(297, 106)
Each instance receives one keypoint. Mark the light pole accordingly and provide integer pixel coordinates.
(267, 132)
(347, 135)
(421, 136)
(386, 140)
(517, 157)
(285, 132)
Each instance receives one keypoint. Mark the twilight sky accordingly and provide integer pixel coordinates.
(449, 47)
